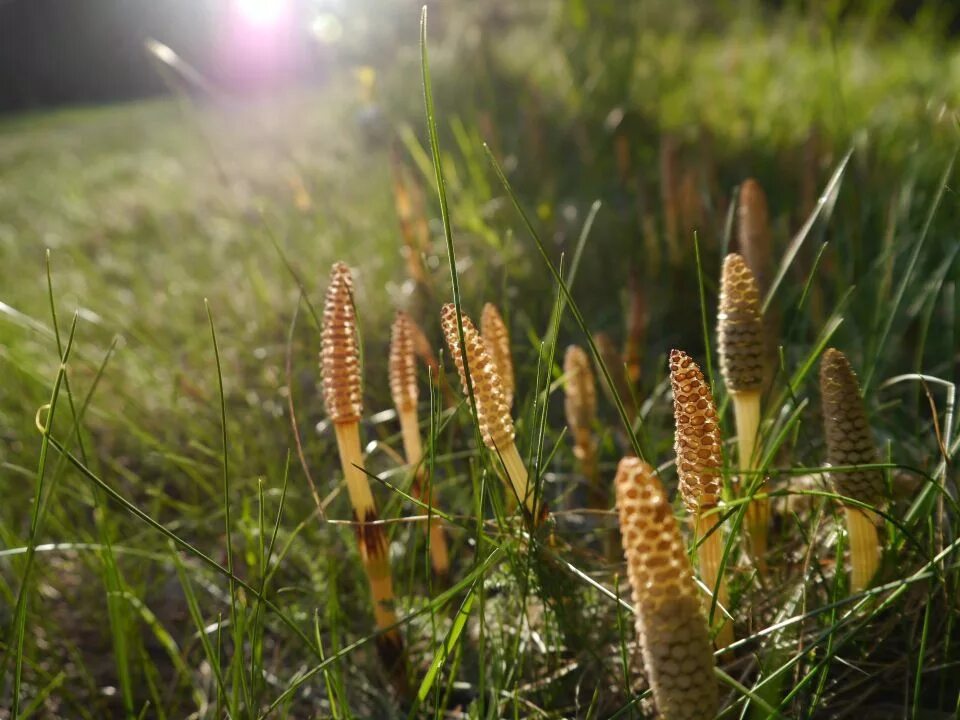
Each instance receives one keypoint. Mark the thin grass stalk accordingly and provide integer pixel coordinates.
(849, 442)
(492, 413)
(405, 393)
(674, 636)
(699, 465)
(741, 343)
(340, 364)
(497, 338)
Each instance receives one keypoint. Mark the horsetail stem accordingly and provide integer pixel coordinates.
(342, 394)
(403, 389)
(740, 334)
(753, 232)
(674, 637)
(493, 414)
(849, 442)
(699, 463)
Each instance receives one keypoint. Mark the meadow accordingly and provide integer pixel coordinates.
(176, 538)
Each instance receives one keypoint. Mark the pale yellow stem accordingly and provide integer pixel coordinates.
(351, 460)
(710, 553)
(864, 548)
(746, 410)
(517, 475)
(410, 431)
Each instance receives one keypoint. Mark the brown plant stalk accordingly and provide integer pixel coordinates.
(740, 334)
(342, 394)
(699, 464)
(405, 393)
(849, 442)
(674, 637)
(493, 414)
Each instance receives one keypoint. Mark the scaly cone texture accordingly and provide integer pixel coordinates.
(740, 327)
(493, 414)
(753, 232)
(403, 368)
(403, 389)
(699, 463)
(340, 352)
(673, 633)
(849, 443)
(740, 334)
(580, 405)
(340, 364)
(497, 338)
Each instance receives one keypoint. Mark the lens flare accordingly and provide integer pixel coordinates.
(262, 13)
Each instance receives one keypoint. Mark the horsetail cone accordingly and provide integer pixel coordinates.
(403, 368)
(580, 406)
(743, 360)
(497, 338)
(674, 638)
(740, 327)
(849, 443)
(699, 463)
(493, 413)
(753, 236)
(340, 351)
(697, 442)
(342, 394)
(403, 388)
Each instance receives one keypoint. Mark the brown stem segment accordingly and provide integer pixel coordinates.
(372, 543)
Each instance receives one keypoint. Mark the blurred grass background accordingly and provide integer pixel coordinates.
(149, 208)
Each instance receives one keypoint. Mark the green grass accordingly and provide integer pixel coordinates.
(161, 553)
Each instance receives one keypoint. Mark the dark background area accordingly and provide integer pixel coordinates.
(65, 52)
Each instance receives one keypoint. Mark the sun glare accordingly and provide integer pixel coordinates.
(262, 13)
